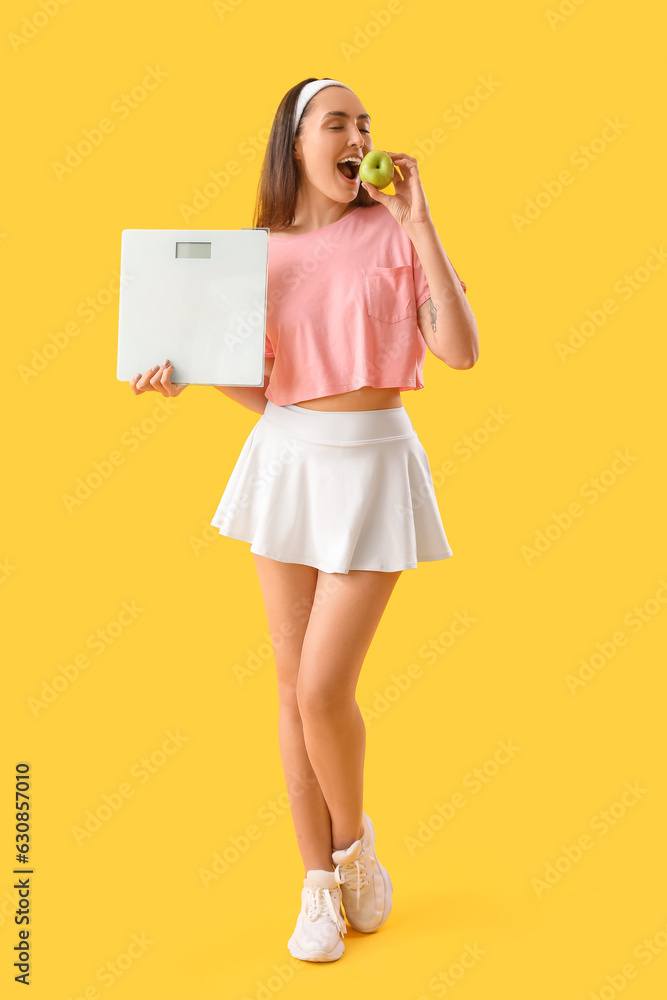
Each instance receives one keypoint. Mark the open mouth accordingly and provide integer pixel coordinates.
(348, 170)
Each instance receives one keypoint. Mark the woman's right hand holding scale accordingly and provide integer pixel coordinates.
(157, 379)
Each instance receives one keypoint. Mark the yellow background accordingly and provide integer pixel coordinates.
(143, 536)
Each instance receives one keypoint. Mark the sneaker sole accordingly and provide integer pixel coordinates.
(315, 956)
(388, 891)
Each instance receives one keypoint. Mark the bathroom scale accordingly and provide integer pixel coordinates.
(197, 297)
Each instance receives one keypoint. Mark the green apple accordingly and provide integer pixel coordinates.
(376, 168)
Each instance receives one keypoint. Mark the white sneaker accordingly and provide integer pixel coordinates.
(319, 926)
(366, 886)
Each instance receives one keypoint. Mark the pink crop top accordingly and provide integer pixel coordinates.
(342, 308)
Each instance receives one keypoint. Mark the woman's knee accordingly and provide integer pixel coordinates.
(319, 699)
(287, 696)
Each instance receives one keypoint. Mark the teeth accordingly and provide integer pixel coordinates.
(350, 159)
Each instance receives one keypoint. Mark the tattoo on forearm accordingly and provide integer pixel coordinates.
(434, 313)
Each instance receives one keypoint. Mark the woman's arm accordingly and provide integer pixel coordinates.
(249, 396)
(452, 336)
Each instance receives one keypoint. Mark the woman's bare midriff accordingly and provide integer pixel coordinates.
(365, 398)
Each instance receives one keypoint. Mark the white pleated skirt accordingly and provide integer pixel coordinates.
(339, 490)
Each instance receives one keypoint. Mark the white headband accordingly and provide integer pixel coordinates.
(309, 91)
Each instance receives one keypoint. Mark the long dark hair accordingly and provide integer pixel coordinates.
(279, 178)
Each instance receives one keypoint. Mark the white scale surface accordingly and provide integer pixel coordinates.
(197, 297)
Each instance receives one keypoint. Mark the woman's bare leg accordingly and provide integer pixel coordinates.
(338, 634)
(288, 590)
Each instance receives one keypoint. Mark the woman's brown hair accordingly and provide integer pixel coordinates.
(279, 178)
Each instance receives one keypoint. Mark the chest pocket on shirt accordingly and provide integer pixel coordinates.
(390, 293)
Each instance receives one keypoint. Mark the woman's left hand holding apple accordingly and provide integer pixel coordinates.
(409, 205)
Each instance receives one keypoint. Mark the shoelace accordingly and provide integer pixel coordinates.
(356, 872)
(319, 897)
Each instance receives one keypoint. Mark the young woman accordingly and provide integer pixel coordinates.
(333, 488)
